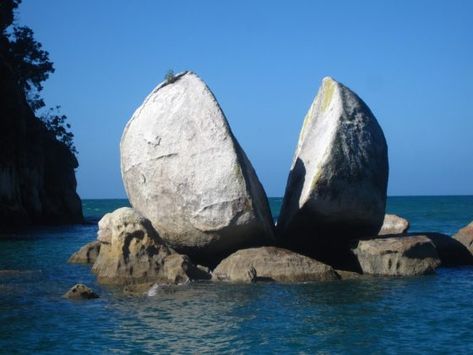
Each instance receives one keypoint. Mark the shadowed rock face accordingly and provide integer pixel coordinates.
(336, 189)
(184, 170)
(451, 251)
(271, 264)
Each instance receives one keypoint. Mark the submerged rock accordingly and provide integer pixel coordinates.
(465, 236)
(185, 171)
(271, 264)
(87, 254)
(397, 256)
(336, 190)
(80, 291)
(393, 224)
(132, 253)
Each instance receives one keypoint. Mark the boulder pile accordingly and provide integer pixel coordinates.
(197, 199)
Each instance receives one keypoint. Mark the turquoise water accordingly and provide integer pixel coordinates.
(430, 314)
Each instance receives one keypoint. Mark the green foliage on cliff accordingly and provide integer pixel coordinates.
(31, 65)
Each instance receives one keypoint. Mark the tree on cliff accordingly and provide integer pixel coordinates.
(31, 65)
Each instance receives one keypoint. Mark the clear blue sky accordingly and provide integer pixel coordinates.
(410, 61)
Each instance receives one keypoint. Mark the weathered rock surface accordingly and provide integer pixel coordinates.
(451, 252)
(465, 236)
(393, 224)
(397, 256)
(87, 254)
(132, 252)
(350, 275)
(336, 188)
(184, 170)
(80, 291)
(271, 264)
(37, 177)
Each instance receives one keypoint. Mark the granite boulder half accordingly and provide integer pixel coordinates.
(184, 170)
(336, 190)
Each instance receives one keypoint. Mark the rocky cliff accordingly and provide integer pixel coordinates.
(37, 178)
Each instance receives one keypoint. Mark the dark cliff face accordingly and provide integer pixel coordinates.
(37, 178)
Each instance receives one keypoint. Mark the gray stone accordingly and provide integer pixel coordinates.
(132, 252)
(336, 188)
(184, 170)
(271, 264)
(393, 224)
(397, 256)
(80, 291)
(87, 254)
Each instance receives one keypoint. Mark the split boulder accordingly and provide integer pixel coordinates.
(184, 170)
(336, 190)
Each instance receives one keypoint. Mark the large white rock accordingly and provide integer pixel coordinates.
(336, 188)
(184, 170)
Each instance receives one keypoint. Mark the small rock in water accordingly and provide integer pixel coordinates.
(80, 291)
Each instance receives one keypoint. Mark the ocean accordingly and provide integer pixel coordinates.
(428, 314)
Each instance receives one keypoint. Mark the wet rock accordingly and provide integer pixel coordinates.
(336, 190)
(87, 254)
(349, 275)
(397, 256)
(133, 253)
(393, 224)
(80, 291)
(185, 171)
(271, 264)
